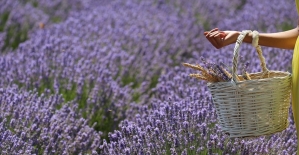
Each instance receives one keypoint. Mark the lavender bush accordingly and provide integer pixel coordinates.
(19, 18)
(105, 77)
(31, 124)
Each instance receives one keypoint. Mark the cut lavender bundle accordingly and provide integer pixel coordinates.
(211, 72)
(245, 74)
(221, 72)
(205, 73)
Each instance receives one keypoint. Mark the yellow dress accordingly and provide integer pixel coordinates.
(295, 84)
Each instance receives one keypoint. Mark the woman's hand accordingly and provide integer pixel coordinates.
(220, 39)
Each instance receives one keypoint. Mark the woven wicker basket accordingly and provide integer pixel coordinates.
(250, 108)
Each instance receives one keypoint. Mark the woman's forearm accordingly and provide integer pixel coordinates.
(285, 39)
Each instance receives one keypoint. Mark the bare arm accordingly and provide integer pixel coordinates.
(284, 40)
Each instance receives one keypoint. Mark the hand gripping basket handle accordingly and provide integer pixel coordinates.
(237, 49)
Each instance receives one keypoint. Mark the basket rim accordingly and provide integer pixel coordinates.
(287, 75)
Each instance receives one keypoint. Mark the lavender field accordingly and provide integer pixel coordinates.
(106, 77)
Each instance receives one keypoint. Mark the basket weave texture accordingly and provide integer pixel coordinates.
(250, 108)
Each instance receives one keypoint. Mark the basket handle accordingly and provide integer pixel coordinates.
(237, 49)
(255, 40)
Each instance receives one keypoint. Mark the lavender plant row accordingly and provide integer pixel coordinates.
(107, 65)
(112, 69)
(31, 124)
(20, 18)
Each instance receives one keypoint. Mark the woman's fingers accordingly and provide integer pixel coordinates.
(209, 32)
(218, 42)
(220, 38)
(215, 37)
(220, 34)
(213, 34)
(215, 42)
